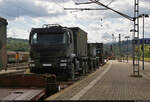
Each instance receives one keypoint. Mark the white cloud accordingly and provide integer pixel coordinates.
(22, 15)
(18, 33)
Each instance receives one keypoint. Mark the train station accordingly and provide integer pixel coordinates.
(49, 54)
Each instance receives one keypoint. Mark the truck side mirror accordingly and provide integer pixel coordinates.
(70, 37)
(70, 40)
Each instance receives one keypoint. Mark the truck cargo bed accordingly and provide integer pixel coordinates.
(80, 41)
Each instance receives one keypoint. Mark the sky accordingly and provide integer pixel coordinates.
(23, 15)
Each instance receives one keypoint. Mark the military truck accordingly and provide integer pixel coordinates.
(3, 55)
(92, 58)
(58, 50)
(100, 52)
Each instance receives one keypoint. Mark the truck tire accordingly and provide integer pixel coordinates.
(96, 64)
(91, 65)
(72, 71)
(87, 67)
(32, 70)
(94, 67)
(83, 69)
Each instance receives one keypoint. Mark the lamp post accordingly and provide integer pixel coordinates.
(143, 16)
(113, 52)
(120, 47)
(127, 37)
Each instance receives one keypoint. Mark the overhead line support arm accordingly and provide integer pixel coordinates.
(85, 9)
(122, 14)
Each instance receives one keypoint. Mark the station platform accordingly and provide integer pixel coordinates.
(113, 81)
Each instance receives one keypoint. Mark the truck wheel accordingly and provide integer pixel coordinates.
(87, 67)
(96, 64)
(83, 68)
(72, 72)
(32, 70)
(92, 67)
(83, 71)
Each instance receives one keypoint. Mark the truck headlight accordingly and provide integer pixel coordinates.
(31, 61)
(63, 60)
(47, 65)
(63, 64)
(32, 65)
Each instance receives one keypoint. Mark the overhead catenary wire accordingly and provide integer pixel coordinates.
(122, 14)
(105, 6)
(110, 2)
(84, 9)
(58, 3)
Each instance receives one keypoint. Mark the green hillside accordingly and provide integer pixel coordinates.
(14, 44)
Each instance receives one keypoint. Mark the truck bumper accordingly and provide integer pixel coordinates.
(62, 68)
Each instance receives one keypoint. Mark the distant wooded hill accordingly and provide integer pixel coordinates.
(14, 44)
(115, 48)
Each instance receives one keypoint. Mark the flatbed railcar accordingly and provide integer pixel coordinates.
(55, 52)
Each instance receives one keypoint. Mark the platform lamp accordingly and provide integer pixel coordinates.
(143, 16)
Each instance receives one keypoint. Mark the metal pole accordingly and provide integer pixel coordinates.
(120, 46)
(138, 38)
(127, 47)
(133, 48)
(143, 43)
(127, 50)
(112, 46)
(143, 16)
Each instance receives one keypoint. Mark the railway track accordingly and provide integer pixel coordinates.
(14, 70)
(17, 64)
(18, 68)
(11, 72)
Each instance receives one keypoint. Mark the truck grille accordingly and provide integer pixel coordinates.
(49, 60)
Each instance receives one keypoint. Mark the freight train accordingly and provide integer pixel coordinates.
(3, 32)
(54, 51)
(62, 51)
(11, 57)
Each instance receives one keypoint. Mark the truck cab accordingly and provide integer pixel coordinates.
(51, 49)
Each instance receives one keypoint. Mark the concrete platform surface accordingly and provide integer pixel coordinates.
(111, 82)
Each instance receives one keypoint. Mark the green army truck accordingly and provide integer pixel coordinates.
(95, 55)
(3, 55)
(92, 58)
(100, 52)
(58, 50)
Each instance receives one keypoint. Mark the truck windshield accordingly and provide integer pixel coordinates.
(48, 39)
